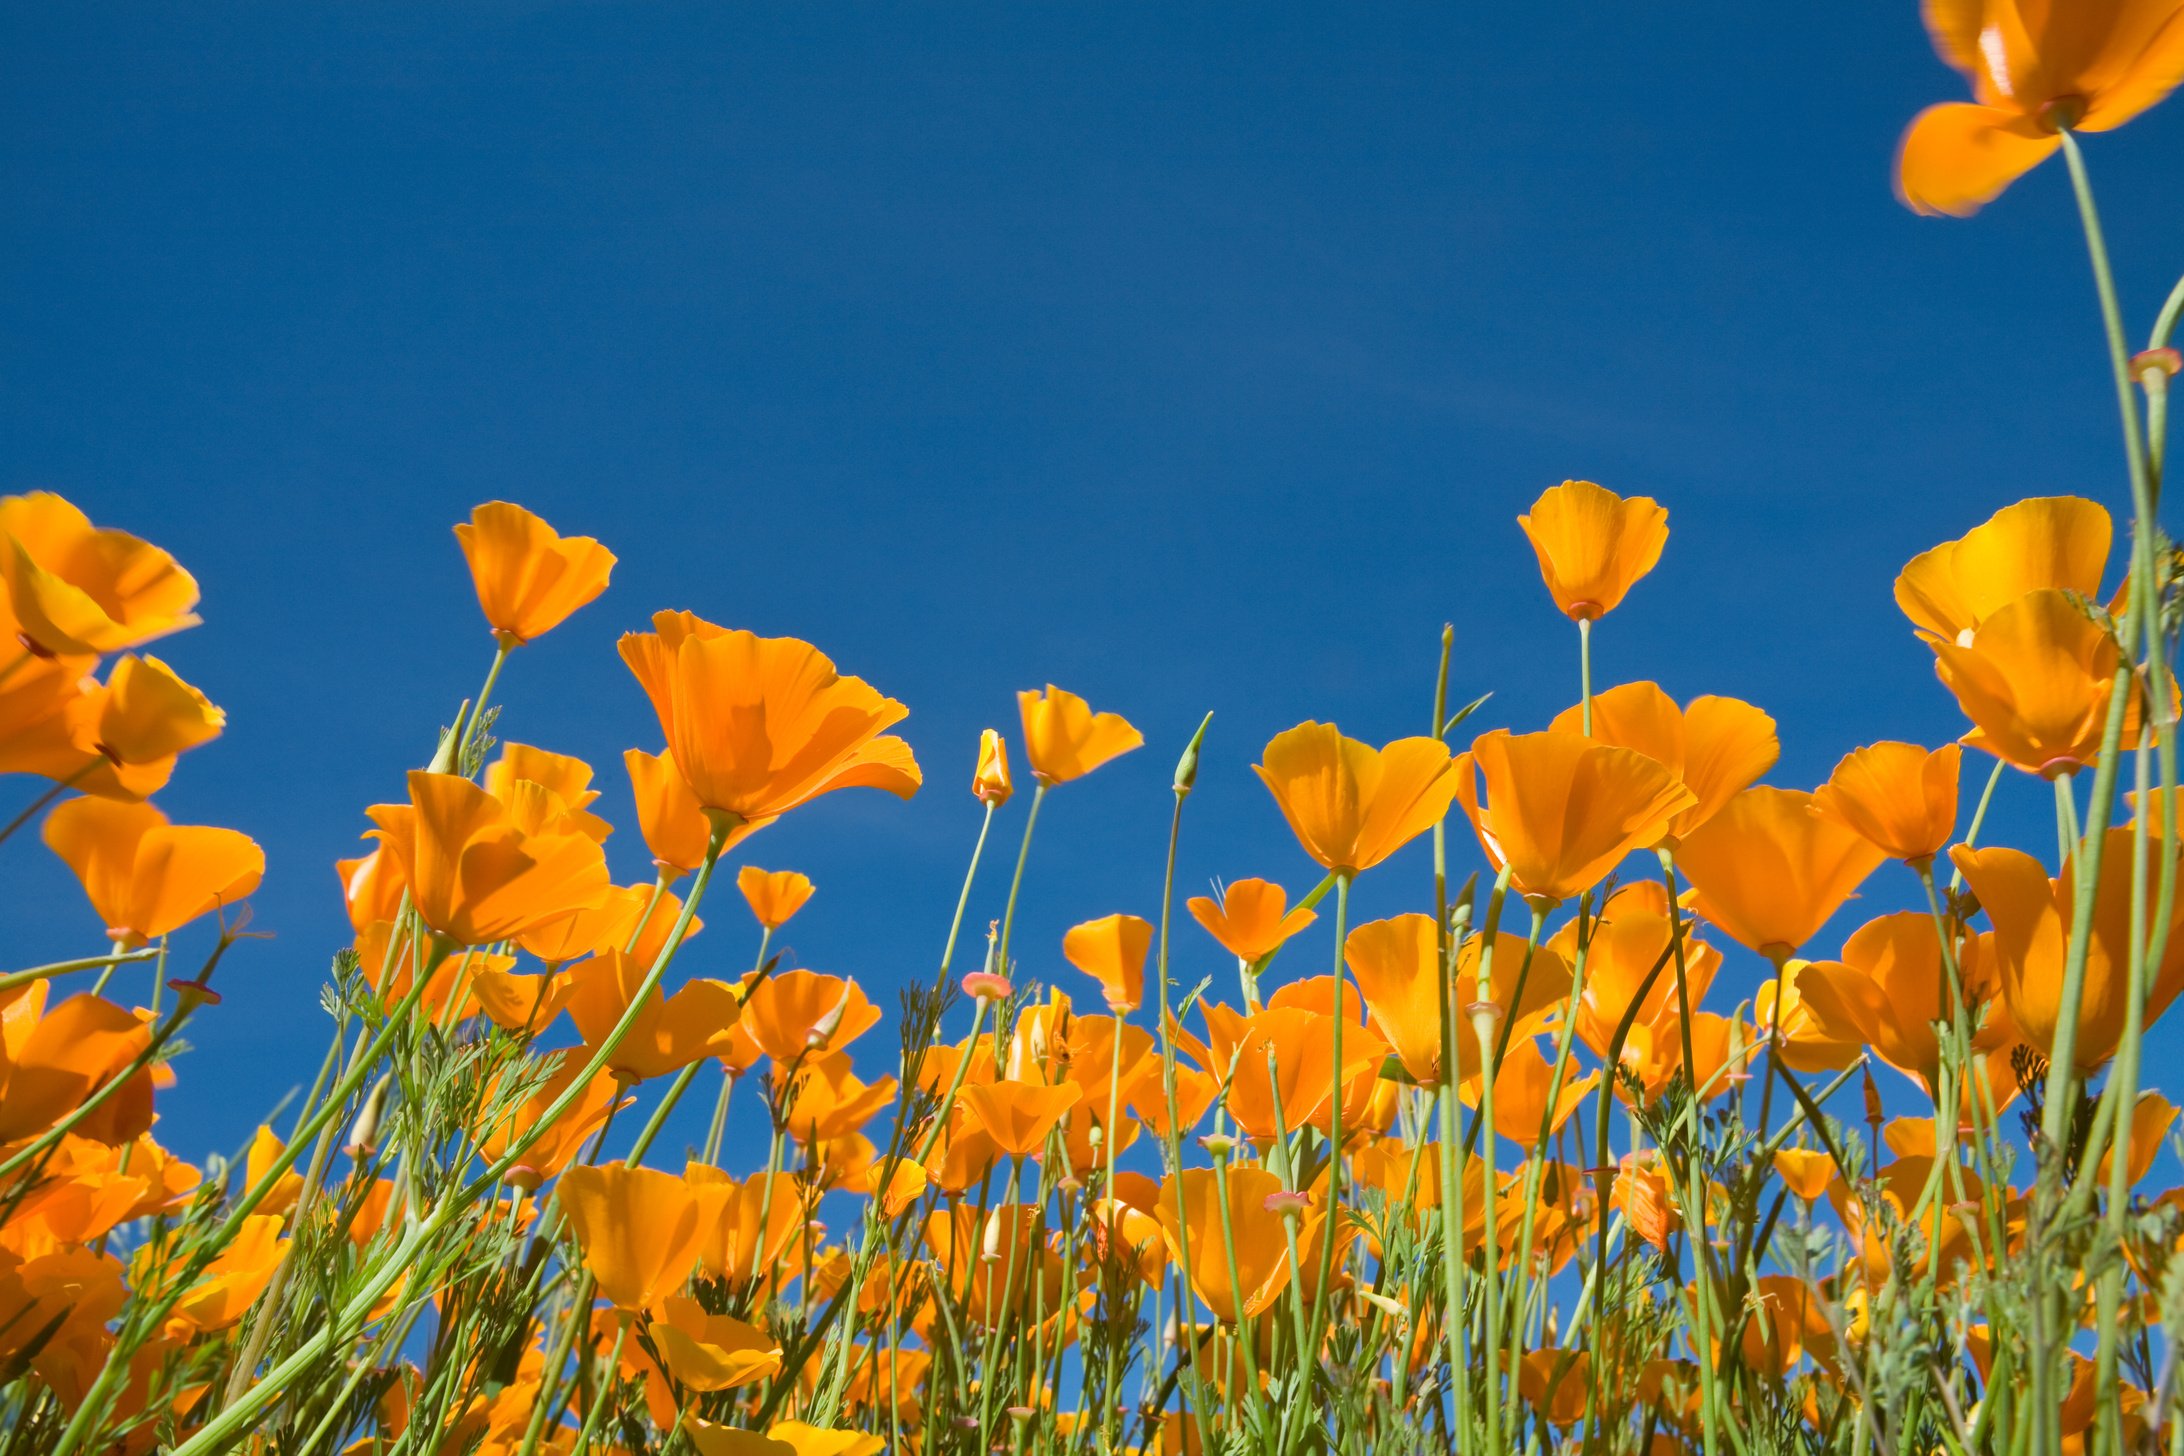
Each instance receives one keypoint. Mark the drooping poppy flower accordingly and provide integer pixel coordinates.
(2036, 679)
(565, 778)
(1252, 919)
(774, 896)
(669, 1033)
(2033, 917)
(2058, 542)
(1630, 956)
(669, 815)
(1561, 810)
(146, 877)
(529, 577)
(1019, 1115)
(481, 870)
(1593, 545)
(127, 732)
(638, 1228)
(1397, 964)
(2090, 65)
(1352, 805)
(761, 725)
(1064, 739)
(709, 1352)
(1902, 798)
(1714, 747)
(990, 782)
(78, 590)
(1111, 950)
(52, 1061)
(797, 1012)
(1769, 872)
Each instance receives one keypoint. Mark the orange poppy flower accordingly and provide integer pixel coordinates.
(52, 1061)
(990, 783)
(774, 896)
(826, 1100)
(566, 779)
(1804, 1172)
(1190, 1212)
(1714, 747)
(77, 590)
(1249, 921)
(1111, 950)
(1593, 545)
(2051, 541)
(1900, 797)
(669, 816)
(609, 926)
(1397, 965)
(1805, 1042)
(126, 733)
(750, 1232)
(761, 725)
(1631, 936)
(2035, 678)
(638, 1228)
(1285, 1074)
(146, 877)
(2151, 1118)
(231, 1283)
(1064, 739)
(508, 1123)
(717, 1438)
(372, 887)
(1352, 805)
(2090, 65)
(480, 870)
(2032, 917)
(1886, 993)
(1562, 810)
(529, 578)
(1769, 872)
(1555, 1384)
(797, 1012)
(708, 1352)
(1520, 1093)
(670, 1032)
(1019, 1115)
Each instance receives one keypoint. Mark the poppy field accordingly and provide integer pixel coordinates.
(1534, 1165)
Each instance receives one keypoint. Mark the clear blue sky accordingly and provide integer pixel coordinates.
(1190, 357)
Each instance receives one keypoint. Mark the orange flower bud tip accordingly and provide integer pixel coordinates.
(987, 986)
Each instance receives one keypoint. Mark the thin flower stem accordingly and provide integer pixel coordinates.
(1016, 884)
(116, 957)
(31, 810)
(1584, 670)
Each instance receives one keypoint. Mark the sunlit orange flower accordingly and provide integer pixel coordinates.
(146, 877)
(1769, 872)
(529, 579)
(708, 1352)
(1111, 950)
(1561, 810)
(826, 1100)
(798, 1012)
(1250, 921)
(990, 783)
(752, 1224)
(998, 1263)
(905, 1185)
(266, 1148)
(75, 589)
(52, 1061)
(1888, 990)
(125, 734)
(2035, 678)
(761, 725)
(1520, 1093)
(1555, 1384)
(2033, 916)
(1630, 957)
(564, 1137)
(1285, 1072)
(1064, 739)
(2090, 65)
(2151, 1118)
(481, 870)
(669, 816)
(1397, 965)
(670, 1032)
(1805, 1042)
(1190, 1213)
(644, 912)
(231, 1283)
(774, 896)
(1720, 1046)
(372, 887)
(803, 1440)
(567, 779)
(1804, 1172)
(1593, 545)
(1902, 798)
(1352, 805)
(1019, 1115)
(2052, 541)
(638, 1228)
(1715, 747)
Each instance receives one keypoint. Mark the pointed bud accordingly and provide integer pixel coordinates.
(364, 1136)
(1186, 767)
(990, 784)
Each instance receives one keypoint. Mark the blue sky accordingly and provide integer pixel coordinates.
(1190, 357)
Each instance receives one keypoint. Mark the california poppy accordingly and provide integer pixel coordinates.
(1064, 739)
(2058, 542)
(797, 1012)
(761, 725)
(774, 896)
(1902, 798)
(1285, 1076)
(1783, 1020)
(1520, 1093)
(1769, 872)
(1111, 950)
(2036, 678)
(2032, 917)
(1251, 920)
(2152, 1115)
(638, 1228)
(1715, 747)
(708, 1352)
(146, 877)
(529, 577)
(990, 781)
(1397, 964)
(669, 815)
(826, 1099)
(508, 1122)
(1562, 810)
(642, 911)
(1190, 1214)
(130, 729)
(55, 1059)
(480, 870)
(229, 1285)
(1019, 1115)
(76, 589)
(669, 1032)
(2090, 65)
(1352, 805)
(566, 780)
(1630, 956)
(1593, 545)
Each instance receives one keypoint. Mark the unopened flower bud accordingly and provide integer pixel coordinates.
(822, 1031)
(990, 784)
(364, 1135)
(1186, 767)
(990, 1246)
